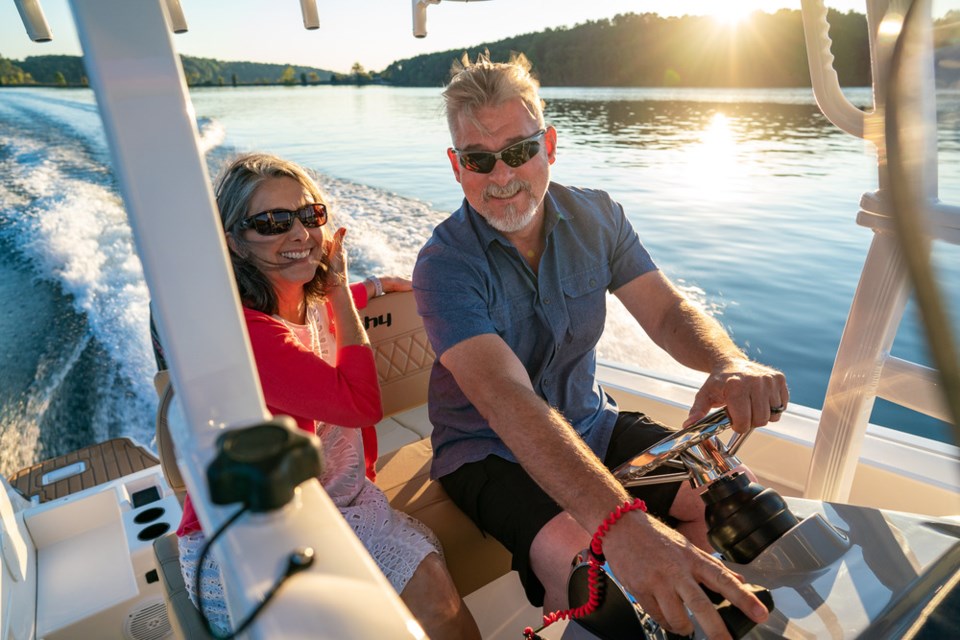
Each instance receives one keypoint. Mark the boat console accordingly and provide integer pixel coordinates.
(823, 569)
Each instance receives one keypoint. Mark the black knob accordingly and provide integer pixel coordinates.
(744, 518)
(260, 466)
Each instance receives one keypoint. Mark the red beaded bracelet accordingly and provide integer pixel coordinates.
(594, 574)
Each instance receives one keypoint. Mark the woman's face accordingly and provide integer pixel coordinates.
(289, 260)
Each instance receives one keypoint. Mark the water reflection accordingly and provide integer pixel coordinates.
(656, 124)
(712, 161)
(731, 196)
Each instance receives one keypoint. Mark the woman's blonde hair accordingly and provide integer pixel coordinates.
(484, 83)
(235, 187)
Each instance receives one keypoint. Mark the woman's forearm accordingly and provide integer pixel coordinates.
(349, 329)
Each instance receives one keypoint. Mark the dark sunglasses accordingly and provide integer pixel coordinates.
(514, 156)
(273, 223)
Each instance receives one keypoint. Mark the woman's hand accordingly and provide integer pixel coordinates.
(336, 260)
(349, 331)
(381, 285)
(396, 283)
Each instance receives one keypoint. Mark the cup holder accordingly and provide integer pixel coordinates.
(148, 515)
(153, 531)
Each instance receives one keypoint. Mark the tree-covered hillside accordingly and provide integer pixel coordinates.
(646, 50)
(69, 70)
(628, 50)
(207, 71)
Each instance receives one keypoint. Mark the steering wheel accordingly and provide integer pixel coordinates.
(696, 450)
(702, 458)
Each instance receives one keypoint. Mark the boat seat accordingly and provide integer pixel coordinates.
(184, 617)
(404, 360)
(473, 558)
(165, 448)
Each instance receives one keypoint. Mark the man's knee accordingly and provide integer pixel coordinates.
(687, 505)
(553, 551)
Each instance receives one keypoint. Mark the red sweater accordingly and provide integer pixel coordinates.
(301, 385)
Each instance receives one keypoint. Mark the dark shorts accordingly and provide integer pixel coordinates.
(506, 503)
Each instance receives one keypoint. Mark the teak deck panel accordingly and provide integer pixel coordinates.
(106, 461)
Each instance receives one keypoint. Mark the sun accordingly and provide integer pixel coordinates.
(731, 13)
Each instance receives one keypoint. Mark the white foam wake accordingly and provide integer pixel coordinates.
(61, 211)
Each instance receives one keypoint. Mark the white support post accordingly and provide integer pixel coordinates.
(178, 22)
(151, 130)
(881, 296)
(867, 337)
(31, 13)
(311, 19)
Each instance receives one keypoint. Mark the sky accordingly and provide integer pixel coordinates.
(373, 33)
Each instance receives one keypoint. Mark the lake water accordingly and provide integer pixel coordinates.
(747, 199)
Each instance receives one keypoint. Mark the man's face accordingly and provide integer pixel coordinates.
(509, 198)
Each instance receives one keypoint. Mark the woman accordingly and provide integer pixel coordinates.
(316, 365)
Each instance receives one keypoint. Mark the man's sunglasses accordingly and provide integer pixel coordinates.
(273, 223)
(514, 156)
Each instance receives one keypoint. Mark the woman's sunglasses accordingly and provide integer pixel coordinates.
(514, 156)
(273, 223)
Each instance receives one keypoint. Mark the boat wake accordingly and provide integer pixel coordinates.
(62, 218)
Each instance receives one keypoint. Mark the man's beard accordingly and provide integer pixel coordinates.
(511, 219)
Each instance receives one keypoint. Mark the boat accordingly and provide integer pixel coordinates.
(87, 542)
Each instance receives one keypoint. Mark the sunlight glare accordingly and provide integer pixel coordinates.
(712, 162)
(891, 25)
(731, 14)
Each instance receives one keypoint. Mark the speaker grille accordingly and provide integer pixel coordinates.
(148, 622)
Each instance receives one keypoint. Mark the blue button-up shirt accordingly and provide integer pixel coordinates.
(469, 280)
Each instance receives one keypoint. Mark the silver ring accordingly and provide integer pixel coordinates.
(776, 410)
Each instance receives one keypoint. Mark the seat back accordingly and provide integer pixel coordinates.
(165, 448)
(403, 353)
(184, 617)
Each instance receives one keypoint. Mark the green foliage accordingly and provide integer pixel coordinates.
(289, 76)
(13, 74)
(646, 50)
(207, 71)
(69, 70)
(358, 75)
(44, 69)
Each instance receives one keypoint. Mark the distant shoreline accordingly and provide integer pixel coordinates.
(240, 85)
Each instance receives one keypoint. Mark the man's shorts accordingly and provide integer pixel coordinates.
(506, 503)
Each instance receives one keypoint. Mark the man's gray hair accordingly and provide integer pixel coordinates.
(484, 83)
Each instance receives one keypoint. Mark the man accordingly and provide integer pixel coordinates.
(512, 290)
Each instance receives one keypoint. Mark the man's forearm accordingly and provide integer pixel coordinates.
(677, 325)
(556, 457)
(544, 443)
(753, 394)
(696, 340)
